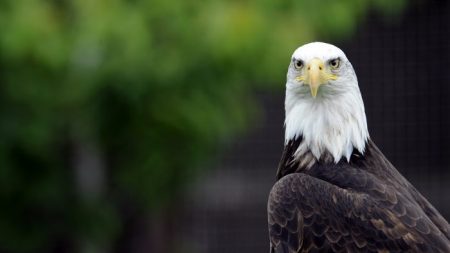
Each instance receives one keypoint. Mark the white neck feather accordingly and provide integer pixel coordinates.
(333, 122)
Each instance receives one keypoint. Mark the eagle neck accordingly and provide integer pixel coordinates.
(291, 162)
(328, 127)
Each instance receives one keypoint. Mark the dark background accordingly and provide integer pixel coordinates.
(403, 69)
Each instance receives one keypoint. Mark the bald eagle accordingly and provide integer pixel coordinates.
(335, 190)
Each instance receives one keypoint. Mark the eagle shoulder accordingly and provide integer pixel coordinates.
(312, 213)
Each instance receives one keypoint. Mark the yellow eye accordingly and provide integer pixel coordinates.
(298, 64)
(335, 63)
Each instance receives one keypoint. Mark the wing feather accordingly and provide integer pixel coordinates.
(308, 214)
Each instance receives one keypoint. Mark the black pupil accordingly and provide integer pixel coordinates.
(334, 63)
(298, 64)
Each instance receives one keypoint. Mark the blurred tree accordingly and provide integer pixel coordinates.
(107, 108)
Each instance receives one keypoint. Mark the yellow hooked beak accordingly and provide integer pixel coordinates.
(315, 75)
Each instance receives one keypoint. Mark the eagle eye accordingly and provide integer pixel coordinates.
(298, 64)
(335, 63)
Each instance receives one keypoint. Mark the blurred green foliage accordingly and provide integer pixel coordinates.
(151, 86)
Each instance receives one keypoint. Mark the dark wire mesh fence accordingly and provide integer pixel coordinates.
(403, 67)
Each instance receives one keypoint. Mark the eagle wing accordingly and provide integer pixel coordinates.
(361, 213)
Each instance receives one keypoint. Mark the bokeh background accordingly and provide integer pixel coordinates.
(157, 125)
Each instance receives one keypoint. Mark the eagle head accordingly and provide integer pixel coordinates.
(323, 102)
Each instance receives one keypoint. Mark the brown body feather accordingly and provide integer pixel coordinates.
(361, 205)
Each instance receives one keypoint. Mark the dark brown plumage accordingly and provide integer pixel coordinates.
(364, 205)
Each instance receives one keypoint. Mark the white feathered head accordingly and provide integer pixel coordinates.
(323, 102)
